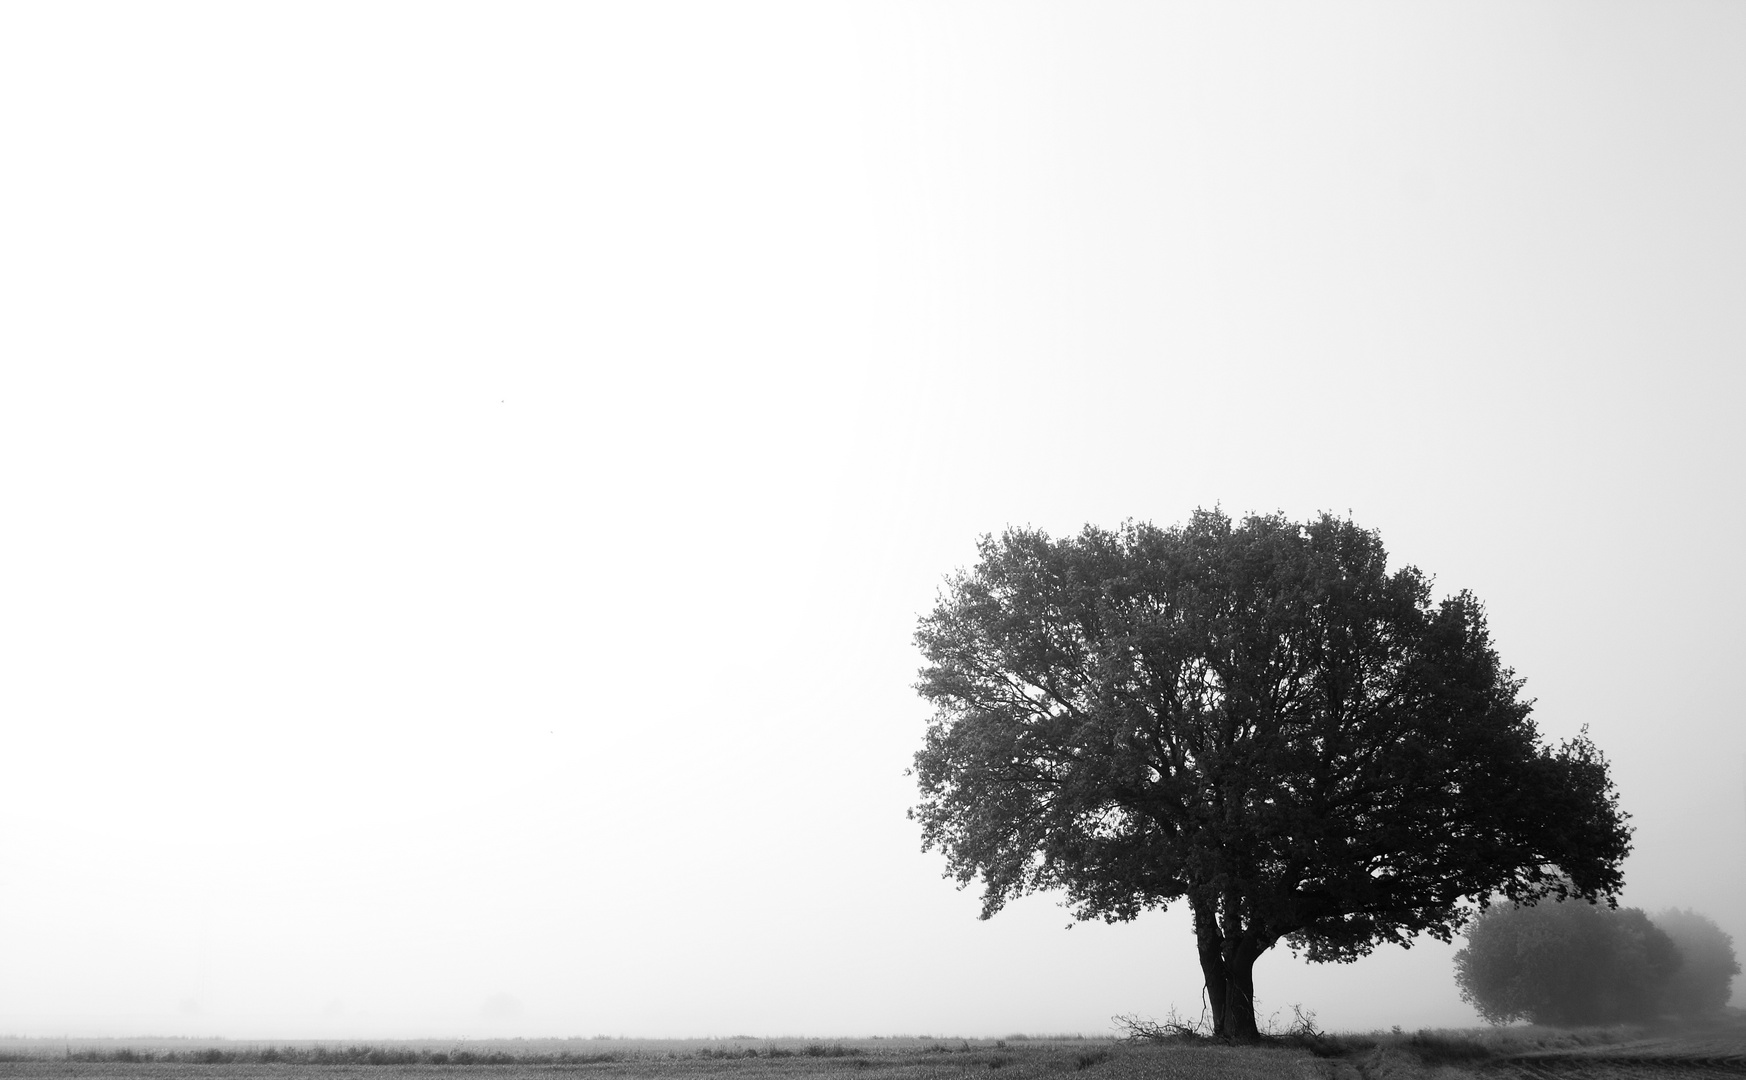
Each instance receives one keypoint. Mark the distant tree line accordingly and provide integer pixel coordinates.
(1574, 964)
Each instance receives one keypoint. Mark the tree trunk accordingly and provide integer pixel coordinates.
(1230, 989)
(1228, 966)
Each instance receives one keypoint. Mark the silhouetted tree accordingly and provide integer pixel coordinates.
(1705, 978)
(1567, 965)
(1257, 717)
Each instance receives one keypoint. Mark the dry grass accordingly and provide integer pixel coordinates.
(1616, 1053)
(726, 1059)
(1303, 1054)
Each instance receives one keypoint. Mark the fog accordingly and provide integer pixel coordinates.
(471, 472)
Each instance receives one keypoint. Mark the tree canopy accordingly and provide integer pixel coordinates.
(1257, 716)
(1575, 964)
(1567, 965)
(1705, 978)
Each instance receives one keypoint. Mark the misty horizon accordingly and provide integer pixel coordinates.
(473, 474)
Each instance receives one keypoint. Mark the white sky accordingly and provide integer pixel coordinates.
(470, 472)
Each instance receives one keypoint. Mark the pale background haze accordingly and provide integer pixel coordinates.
(470, 473)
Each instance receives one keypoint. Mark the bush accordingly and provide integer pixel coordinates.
(1702, 985)
(1566, 965)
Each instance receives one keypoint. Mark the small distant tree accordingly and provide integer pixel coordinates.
(1704, 981)
(1566, 964)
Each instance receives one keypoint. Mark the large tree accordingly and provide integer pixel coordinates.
(1258, 717)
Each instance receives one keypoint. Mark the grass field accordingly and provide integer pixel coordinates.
(1504, 1054)
(640, 1059)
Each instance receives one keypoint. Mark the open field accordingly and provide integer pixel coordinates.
(1499, 1054)
(639, 1059)
(1717, 1054)
(1529, 1053)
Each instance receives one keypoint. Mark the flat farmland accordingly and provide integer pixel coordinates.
(884, 1059)
(1532, 1053)
(1709, 1054)
(1497, 1054)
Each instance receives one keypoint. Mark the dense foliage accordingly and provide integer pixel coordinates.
(1705, 978)
(1576, 964)
(1566, 965)
(1258, 717)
